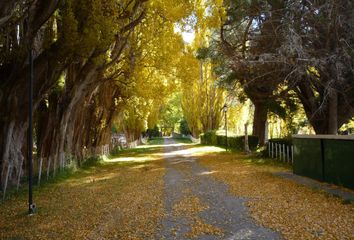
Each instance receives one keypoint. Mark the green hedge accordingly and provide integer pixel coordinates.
(210, 138)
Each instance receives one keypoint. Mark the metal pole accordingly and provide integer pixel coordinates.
(226, 129)
(31, 206)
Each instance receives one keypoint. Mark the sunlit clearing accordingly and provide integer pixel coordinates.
(207, 172)
(196, 151)
(91, 179)
(129, 159)
(163, 145)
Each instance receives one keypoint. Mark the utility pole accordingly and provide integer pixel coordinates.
(31, 206)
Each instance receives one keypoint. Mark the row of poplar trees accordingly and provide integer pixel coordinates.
(84, 54)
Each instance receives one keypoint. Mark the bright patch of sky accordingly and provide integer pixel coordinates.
(186, 29)
(187, 35)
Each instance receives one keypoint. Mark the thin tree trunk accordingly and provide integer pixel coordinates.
(259, 122)
(333, 113)
(6, 180)
(19, 175)
(40, 170)
(48, 167)
(247, 148)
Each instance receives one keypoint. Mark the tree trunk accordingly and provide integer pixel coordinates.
(333, 112)
(259, 122)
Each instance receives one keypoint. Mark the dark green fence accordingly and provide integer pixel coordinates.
(325, 158)
(237, 142)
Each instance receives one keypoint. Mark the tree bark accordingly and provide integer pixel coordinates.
(259, 121)
(333, 112)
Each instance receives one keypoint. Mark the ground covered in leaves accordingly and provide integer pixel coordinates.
(138, 193)
(296, 211)
(121, 199)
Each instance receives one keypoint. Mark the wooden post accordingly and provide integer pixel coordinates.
(272, 150)
(40, 170)
(276, 150)
(292, 154)
(284, 153)
(268, 149)
(287, 154)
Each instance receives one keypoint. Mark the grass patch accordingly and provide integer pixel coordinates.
(155, 141)
(160, 141)
(257, 160)
(182, 140)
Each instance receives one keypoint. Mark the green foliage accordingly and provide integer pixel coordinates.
(171, 112)
(153, 133)
(183, 127)
(209, 138)
(237, 143)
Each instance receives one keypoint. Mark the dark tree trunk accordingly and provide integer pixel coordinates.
(333, 113)
(259, 121)
(326, 116)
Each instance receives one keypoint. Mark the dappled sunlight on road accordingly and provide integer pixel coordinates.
(91, 179)
(130, 159)
(196, 151)
(166, 144)
(207, 173)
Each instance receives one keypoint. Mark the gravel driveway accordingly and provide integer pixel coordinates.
(220, 216)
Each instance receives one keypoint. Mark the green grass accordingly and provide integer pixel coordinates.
(182, 140)
(90, 166)
(160, 141)
(156, 141)
(256, 160)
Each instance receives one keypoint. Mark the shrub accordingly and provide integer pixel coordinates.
(209, 138)
(184, 128)
(151, 133)
(238, 142)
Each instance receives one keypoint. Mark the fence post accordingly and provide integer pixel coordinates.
(269, 149)
(273, 150)
(281, 153)
(284, 153)
(276, 151)
(287, 154)
(292, 154)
